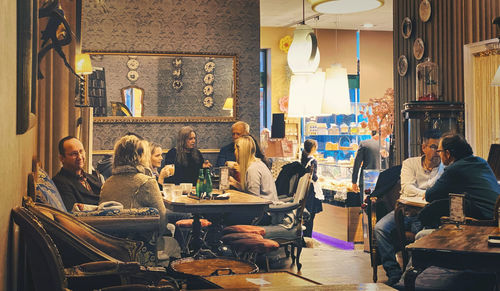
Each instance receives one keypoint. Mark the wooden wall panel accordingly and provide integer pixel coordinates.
(453, 24)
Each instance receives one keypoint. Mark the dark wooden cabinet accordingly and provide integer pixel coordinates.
(420, 116)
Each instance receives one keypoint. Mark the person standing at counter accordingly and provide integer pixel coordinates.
(313, 203)
(186, 158)
(255, 176)
(368, 157)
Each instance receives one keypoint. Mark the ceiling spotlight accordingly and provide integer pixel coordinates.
(344, 6)
(368, 25)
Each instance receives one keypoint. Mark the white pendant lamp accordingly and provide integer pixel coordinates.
(344, 6)
(336, 98)
(303, 55)
(306, 94)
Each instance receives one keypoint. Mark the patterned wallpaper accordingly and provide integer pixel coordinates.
(179, 26)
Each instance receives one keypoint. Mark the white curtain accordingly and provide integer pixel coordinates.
(486, 101)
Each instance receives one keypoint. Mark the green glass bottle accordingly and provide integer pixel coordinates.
(208, 181)
(199, 184)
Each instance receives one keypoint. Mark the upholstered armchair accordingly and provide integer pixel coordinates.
(137, 224)
(54, 266)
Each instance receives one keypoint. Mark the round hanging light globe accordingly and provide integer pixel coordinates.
(344, 6)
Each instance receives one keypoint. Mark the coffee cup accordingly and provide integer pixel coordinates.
(186, 188)
(230, 164)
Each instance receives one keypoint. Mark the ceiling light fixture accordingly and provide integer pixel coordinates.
(303, 55)
(336, 98)
(344, 6)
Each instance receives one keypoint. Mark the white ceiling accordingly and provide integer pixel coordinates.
(287, 13)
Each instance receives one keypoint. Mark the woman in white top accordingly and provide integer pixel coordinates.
(255, 176)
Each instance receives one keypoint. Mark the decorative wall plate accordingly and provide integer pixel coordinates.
(406, 27)
(132, 76)
(208, 79)
(209, 67)
(208, 90)
(208, 102)
(177, 85)
(424, 10)
(132, 64)
(402, 65)
(177, 63)
(177, 73)
(418, 48)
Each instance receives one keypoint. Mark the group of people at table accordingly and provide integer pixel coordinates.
(139, 170)
(447, 165)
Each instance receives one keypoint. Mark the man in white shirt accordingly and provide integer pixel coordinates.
(417, 175)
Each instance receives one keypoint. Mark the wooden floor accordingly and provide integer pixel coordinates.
(328, 265)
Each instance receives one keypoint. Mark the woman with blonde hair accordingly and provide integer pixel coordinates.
(129, 184)
(255, 177)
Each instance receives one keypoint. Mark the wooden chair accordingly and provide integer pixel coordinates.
(48, 271)
(494, 159)
(379, 203)
(292, 235)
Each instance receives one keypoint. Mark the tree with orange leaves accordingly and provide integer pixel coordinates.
(380, 114)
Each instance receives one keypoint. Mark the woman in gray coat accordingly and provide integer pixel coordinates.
(129, 183)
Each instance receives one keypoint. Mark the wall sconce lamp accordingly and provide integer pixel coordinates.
(83, 66)
(344, 6)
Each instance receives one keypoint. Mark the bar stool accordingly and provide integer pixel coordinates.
(185, 227)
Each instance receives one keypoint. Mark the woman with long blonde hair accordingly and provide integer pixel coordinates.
(255, 177)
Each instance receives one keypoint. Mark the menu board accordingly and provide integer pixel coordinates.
(457, 207)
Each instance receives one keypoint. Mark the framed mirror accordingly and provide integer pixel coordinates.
(163, 87)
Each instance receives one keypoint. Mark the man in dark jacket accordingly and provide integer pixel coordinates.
(226, 153)
(74, 185)
(465, 173)
(368, 157)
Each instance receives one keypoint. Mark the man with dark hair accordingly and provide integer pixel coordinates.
(417, 175)
(368, 156)
(467, 174)
(74, 185)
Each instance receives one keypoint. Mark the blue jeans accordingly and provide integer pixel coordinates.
(383, 234)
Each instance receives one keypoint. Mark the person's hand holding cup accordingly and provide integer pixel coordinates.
(166, 172)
